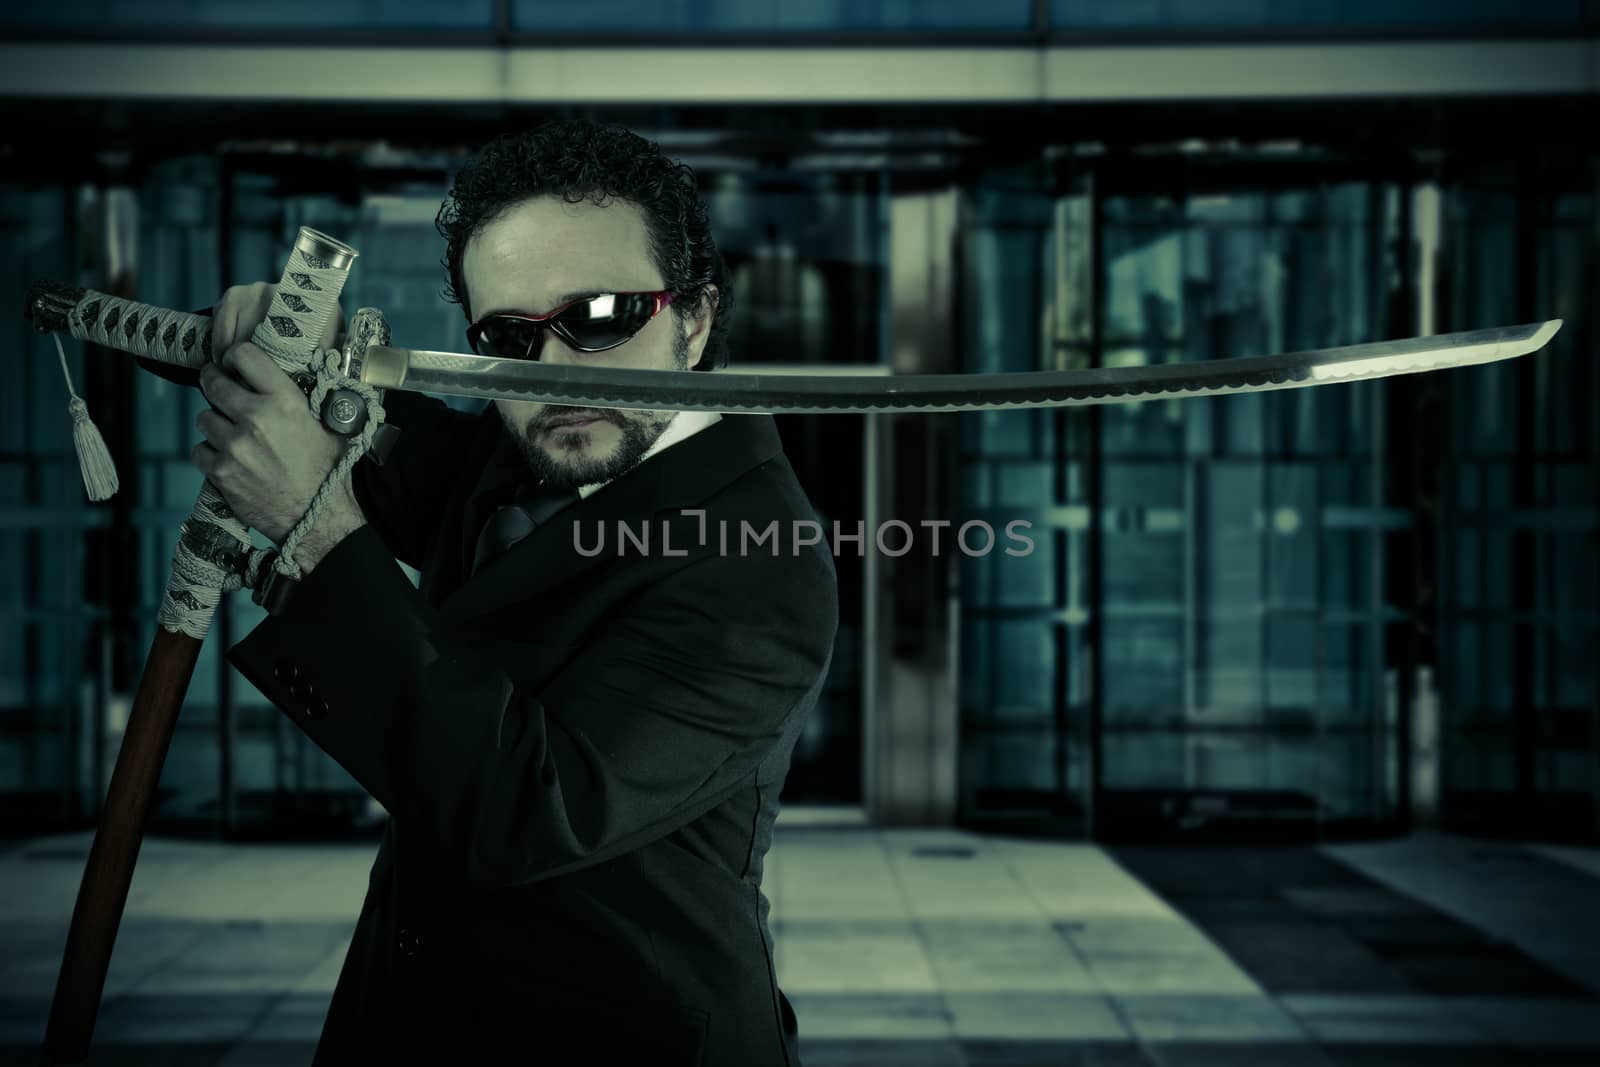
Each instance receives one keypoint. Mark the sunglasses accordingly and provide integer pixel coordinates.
(593, 324)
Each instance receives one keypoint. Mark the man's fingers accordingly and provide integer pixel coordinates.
(241, 308)
(217, 429)
(224, 320)
(257, 370)
(237, 313)
(225, 394)
(204, 458)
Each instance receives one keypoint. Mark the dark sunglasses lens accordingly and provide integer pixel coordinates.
(607, 321)
(507, 338)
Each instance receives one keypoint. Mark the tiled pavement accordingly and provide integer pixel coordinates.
(927, 948)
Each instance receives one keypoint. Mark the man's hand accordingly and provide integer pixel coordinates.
(264, 450)
(241, 308)
(256, 435)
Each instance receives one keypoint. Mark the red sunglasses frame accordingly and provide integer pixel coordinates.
(662, 297)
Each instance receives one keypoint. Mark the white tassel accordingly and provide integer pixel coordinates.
(94, 459)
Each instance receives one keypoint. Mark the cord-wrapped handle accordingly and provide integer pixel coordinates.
(162, 334)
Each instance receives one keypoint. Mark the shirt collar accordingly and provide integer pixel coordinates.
(684, 424)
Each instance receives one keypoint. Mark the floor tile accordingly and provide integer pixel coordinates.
(933, 948)
(878, 1015)
(853, 964)
(1035, 1016)
(868, 1053)
(990, 956)
(1172, 1017)
(1048, 1053)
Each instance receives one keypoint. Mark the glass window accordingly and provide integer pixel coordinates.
(1310, 14)
(625, 17)
(197, 16)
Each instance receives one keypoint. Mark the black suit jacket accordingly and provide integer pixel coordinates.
(581, 755)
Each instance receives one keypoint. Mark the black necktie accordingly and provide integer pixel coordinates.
(530, 508)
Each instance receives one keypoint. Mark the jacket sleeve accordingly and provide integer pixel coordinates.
(403, 497)
(642, 730)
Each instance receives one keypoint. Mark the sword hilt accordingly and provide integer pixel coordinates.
(175, 337)
(175, 344)
(303, 306)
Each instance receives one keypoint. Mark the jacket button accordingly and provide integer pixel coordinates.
(317, 707)
(285, 671)
(407, 942)
(300, 691)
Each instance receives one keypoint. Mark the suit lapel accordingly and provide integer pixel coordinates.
(502, 471)
(680, 476)
(492, 455)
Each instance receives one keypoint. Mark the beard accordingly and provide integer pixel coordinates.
(571, 466)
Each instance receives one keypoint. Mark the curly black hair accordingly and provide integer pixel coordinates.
(578, 160)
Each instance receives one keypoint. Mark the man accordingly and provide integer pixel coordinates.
(581, 753)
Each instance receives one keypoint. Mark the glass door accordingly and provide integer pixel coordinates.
(1244, 607)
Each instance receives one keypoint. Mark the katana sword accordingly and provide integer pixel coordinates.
(214, 554)
(367, 359)
(822, 393)
(183, 340)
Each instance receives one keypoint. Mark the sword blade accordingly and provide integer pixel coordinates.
(750, 391)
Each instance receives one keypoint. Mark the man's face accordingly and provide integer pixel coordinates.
(528, 261)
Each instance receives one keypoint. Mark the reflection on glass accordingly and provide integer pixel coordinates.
(752, 16)
(1369, 15)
